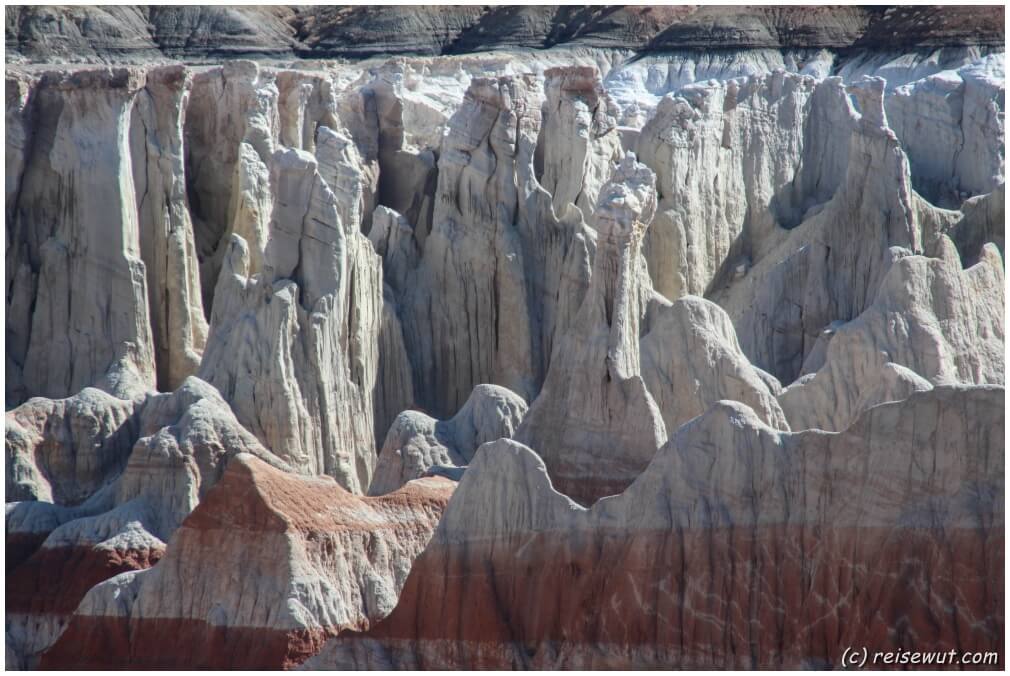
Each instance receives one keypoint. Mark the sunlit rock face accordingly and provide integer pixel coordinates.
(315, 560)
(503, 337)
(732, 525)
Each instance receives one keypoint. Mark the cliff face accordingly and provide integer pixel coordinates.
(137, 32)
(593, 349)
(732, 526)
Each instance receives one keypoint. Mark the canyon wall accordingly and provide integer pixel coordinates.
(512, 337)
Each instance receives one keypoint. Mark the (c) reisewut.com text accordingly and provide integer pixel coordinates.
(865, 658)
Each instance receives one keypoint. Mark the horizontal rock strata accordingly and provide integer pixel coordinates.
(733, 525)
(696, 313)
(314, 560)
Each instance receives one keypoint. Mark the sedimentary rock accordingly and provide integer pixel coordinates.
(416, 442)
(932, 323)
(167, 241)
(581, 143)
(138, 32)
(314, 560)
(594, 421)
(736, 162)
(117, 479)
(946, 123)
(632, 367)
(231, 130)
(830, 266)
(982, 220)
(733, 526)
(361, 251)
(690, 359)
(19, 280)
(64, 450)
(297, 307)
(295, 348)
(77, 307)
(473, 254)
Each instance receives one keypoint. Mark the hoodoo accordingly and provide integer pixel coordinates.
(539, 337)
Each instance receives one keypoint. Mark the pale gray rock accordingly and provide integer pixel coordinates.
(580, 141)
(167, 449)
(829, 267)
(595, 422)
(982, 219)
(630, 347)
(394, 241)
(951, 125)
(497, 246)
(932, 323)
(735, 161)
(230, 107)
(294, 345)
(295, 349)
(340, 166)
(77, 307)
(306, 101)
(167, 243)
(112, 482)
(468, 317)
(416, 442)
(62, 451)
(691, 358)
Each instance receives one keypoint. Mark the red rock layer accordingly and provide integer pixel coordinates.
(256, 520)
(55, 580)
(20, 546)
(771, 597)
(117, 643)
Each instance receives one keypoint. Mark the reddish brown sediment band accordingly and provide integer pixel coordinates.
(20, 547)
(695, 598)
(297, 538)
(55, 580)
(119, 643)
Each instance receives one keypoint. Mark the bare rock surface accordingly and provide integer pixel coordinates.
(167, 240)
(930, 324)
(595, 422)
(78, 304)
(416, 443)
(943, 120)
(711, 540)
(700, 308)
(138, 32)
(105, 484)
(315, 559)
(691, 359)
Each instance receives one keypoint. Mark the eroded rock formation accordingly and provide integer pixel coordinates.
(314, 560)
(417, 444)
(595, 422)
(733, 525)
(712, 340)
(103, 483)
(77, 304)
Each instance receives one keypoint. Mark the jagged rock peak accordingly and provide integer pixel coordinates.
(418, 444)
(594, 422)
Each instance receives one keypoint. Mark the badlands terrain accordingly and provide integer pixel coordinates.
(508, 337)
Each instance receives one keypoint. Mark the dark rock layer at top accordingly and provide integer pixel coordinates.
(141, 33)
